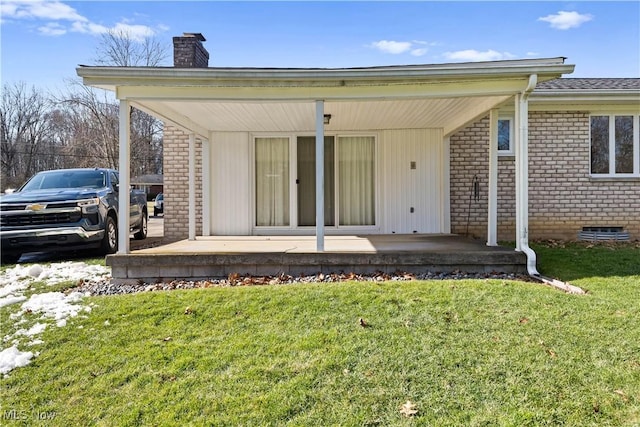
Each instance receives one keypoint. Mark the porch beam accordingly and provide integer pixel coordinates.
(206, 185)
(124, 168)
(338, 91)
(320, 176)
(192, 186)
(492, 205)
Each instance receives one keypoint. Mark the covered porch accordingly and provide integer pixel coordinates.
(244, 119)
(221, 256)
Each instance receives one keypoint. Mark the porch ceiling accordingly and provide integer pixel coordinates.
(204, 116)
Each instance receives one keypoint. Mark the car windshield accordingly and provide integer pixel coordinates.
(66, 179)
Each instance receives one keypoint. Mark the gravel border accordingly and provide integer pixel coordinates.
(104, 287)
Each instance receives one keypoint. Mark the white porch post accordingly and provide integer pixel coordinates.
(206, 186)
(124, 208)
(518, 148)
(492, 214)
(192, 186)
(320, 176)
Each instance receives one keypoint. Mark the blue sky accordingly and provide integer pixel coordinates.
(43, 41)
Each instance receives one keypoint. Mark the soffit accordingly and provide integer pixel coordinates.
(256, 116)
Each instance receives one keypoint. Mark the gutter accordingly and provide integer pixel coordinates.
(524, 239)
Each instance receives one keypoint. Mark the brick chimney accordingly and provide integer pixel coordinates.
(188, 51)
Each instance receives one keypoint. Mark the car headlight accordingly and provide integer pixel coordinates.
(87, 204)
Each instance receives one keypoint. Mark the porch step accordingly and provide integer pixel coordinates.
(163, 267)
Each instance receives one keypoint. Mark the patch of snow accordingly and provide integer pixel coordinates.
(10, 299)
(11, 358)
(53, 306)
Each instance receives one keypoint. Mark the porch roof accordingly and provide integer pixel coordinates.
(202, 100)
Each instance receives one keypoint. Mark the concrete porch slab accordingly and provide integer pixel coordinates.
(220, 256)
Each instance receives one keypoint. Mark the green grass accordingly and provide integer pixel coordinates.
(470, 353)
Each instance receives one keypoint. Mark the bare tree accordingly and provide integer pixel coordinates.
(24, 128)
(122, 49)
(78, 128)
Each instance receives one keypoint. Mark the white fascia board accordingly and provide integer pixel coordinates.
(112, 77)
(435, 89)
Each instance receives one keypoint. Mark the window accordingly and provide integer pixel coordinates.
(614, 145)
(505, 136)
(272, 181)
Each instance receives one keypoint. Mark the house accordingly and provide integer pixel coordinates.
(501, 150)
(151, 184)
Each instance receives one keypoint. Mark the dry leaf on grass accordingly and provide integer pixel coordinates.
(622, 394)
(408, 409)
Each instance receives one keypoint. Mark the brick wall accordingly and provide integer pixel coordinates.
(563, 198)
(176, 184)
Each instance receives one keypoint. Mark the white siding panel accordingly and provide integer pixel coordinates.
(231, 185)
(404, 188)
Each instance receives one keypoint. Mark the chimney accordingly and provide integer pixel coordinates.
(188, 51)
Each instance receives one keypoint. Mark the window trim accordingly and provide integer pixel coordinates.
(612, 146)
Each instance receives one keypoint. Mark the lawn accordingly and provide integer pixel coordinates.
(472, 352)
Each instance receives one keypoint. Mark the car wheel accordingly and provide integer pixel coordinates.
(142, 232)
(11, 258)
(110, 239)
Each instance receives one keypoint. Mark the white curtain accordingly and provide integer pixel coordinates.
(272, 181)
(356, 176)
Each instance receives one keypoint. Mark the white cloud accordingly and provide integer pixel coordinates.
(88, 28)
(39, 9)
(60, 18)
(389, 46)
(414, 47)
(52, 29)
(136, 32)
(566, 20)
(473, 55)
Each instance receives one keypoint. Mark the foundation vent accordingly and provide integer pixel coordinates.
(603, 233)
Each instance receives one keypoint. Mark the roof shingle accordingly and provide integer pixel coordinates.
(590, 84)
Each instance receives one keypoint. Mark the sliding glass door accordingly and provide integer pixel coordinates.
(349, 181)
(272, 181)
(356, 180)
(306, 181)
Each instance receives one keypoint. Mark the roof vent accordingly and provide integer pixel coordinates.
(603, 233)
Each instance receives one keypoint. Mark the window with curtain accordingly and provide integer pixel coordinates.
(272, 181)
(356, 179)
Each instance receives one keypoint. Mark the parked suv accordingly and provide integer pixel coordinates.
(68, 209)
(158, 204)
